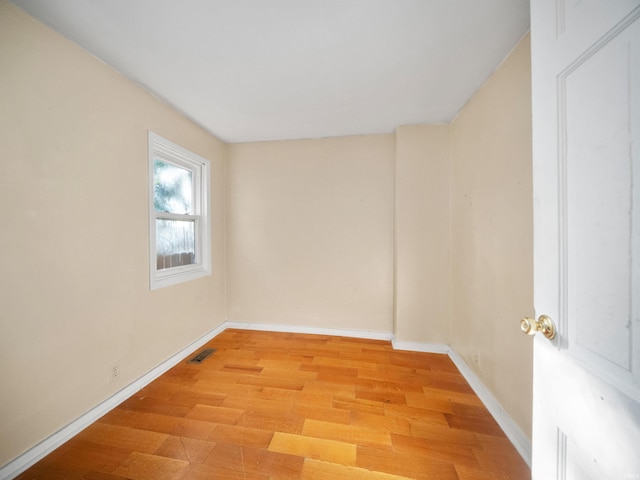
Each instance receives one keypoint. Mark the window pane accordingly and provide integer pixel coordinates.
(175, 243)
(172, 188)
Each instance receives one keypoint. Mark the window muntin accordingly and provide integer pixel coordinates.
(179, 229)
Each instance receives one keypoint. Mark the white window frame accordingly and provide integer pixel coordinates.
(167, 151)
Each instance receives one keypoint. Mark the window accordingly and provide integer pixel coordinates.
(179, 226)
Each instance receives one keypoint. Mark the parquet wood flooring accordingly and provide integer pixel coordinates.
(279, 406)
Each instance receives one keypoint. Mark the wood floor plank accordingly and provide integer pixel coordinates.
(442, 433)
(451, 381)
(162, 390)
(330, 370)
(140, 403)
(255, 461)
(317, 412)
(494, 455)
(79, 455)
(316, 448)
(340, 360)
(288, 423)
(190, 450)
(347, 433)
(54, 472)
(283, 406)
(218, 377)
(275, 382)
(426, 402)
(288, 373)
(142, 466)
(213, 414)
(359, 405)
(416, 415)
(279, 394)
(464, 398)
(436, 451)
(327, 387)
(191, 428)
(220, 387)
(101, 476)
(318, 470)
(382, 396)
(403, 464)
(197, 395)
(257, 405)
(382, 423)
(242, 435)
(466, 473)
(152, 422)
(207, 472)
(473, 418)
(127, 438)
(433, 362)
(282, 362)
(358, 381)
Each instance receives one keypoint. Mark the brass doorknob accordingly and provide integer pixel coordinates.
(544, 324)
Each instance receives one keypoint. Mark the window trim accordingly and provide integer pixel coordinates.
(165, 150)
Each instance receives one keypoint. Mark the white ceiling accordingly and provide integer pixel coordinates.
(249, 70)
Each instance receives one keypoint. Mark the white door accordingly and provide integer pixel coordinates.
(586, 147)
(586, 156)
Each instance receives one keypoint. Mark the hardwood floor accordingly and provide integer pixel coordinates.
(290, 406)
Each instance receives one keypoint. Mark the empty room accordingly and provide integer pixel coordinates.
(318, 239)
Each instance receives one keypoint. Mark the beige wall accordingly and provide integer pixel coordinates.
(74, 286)
(422, 234)
(310, 232)
(492, 234)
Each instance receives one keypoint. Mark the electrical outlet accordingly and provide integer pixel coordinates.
(114, 371)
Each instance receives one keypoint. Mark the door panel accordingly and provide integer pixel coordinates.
(588, 19)
(597, 166)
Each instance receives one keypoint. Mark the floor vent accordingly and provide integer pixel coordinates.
(202, 356)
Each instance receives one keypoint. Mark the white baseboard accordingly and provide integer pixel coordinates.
(519, 440)
(420, 347)
(48, 445)
(339, 332)
(36, 453)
